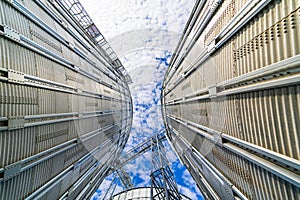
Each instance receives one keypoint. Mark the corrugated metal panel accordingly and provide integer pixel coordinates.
(278, 111)
(39, 12)
(26, 100)
(41, 173)
(253, 124)
(68, 181)
(273, 29)
(138, 194)
(235, 168)
(47, 102)
(51, 135)
(44, 39)
(74, 154)
(198, 81)
(268, 186)
(91, 104)
(16, 145)
(12, 18)
(53, 193)
(46, 171)
(75, 79)
(245, 44)
(52, 101)
(23, 59)
(2, 15)
(50, 70)
(22, 184)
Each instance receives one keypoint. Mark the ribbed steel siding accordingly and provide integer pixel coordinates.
(23, 58)
(267, 186)
(283, 105)
(253, 181)
(16, 145)
(67, 93)
(138, 193)
(243, 96)
(12, 18)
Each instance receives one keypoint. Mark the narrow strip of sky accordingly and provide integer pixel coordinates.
(144, 34)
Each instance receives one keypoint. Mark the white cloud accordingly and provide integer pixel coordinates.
(103, 189)
(141, 32)
(118, 16)
(188, 192)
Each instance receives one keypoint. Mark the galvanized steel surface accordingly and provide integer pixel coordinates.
(138, 193)
(231, 99)
(65, 110)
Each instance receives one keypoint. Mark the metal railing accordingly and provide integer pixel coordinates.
(77, 11)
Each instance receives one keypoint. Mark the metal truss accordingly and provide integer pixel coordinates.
(125, 178)
(163, 185)
(77, 11)
(138, 150)
(117, 168)
(111, 189)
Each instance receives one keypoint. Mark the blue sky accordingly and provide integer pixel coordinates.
(144, 34)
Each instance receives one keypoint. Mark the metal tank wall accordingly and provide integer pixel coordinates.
(231, 98)
(143, 193)
(65, 111)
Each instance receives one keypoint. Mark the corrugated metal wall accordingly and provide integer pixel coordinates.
(142, 193)
(231, 98)
(65, 113)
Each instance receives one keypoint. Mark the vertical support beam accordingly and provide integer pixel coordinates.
(111, 189)
(163, 185)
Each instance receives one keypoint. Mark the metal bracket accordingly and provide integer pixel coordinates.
(15, 76)
(76, 68)
(213, 91)
(12, 170)
(11, 33)
(16, 123)
(71, 45)
(79, 91)
(218, 137)
(211, 45)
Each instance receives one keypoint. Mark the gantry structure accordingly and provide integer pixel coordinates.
(163, 184)
(75, 8)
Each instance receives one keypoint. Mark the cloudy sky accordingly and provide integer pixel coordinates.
(144, 34)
